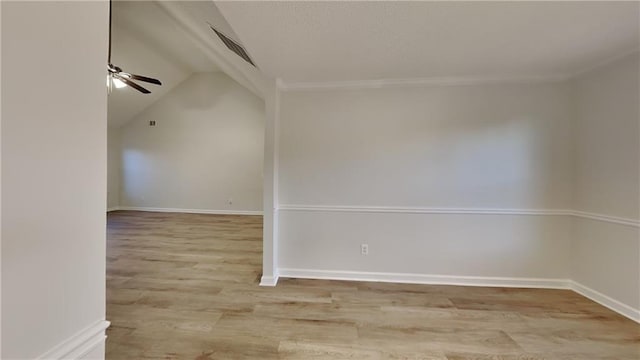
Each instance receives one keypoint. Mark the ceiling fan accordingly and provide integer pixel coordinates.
(118, 78)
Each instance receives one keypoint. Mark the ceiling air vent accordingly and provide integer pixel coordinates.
(233, 46)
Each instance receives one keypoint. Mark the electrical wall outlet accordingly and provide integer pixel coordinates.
(230, 201)
(364, 249)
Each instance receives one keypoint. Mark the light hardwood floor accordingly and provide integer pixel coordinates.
(185, 286)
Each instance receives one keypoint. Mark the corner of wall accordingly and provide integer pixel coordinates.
(114, 167)
(270, 187)
(605, 247)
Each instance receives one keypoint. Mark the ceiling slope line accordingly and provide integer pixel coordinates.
(253, 82)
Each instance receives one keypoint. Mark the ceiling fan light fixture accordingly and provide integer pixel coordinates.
(113, 81)
(118, 83)
(120, 79)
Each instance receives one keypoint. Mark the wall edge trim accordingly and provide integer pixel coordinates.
(79, 344)
(604, 63)
(487, 281)
(426, 279)
(606, 301)
(422, 210)
(192, 211)
(606, 218)
(462, 211)
(269, 280)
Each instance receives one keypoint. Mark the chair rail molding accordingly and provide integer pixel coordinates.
(461, 211)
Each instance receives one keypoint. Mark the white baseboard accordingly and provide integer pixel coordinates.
(604, 300)
(425, 279)
(268, 280)
(114, 208)
(99, 352)
(80, 344)
(192, 211)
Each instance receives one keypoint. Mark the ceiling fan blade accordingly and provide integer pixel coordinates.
(132, 84)
(145, 79)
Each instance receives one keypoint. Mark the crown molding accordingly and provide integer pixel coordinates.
(420, 82)
(603, 63)
(448, 81)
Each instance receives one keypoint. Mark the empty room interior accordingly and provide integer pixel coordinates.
(320, 180)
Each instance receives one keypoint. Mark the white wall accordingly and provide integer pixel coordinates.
(605, 255)
(114, 161)
(380, 166)
(206, 148)
(485, 146)
(53, 175)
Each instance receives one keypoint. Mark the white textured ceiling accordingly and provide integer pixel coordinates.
(339, 41)
(145, 42)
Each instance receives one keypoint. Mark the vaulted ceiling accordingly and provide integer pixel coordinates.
(143, 43)
(316, 41)
(169, 40)
(309, 41)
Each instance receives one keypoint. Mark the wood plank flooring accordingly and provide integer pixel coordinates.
(185, 286)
